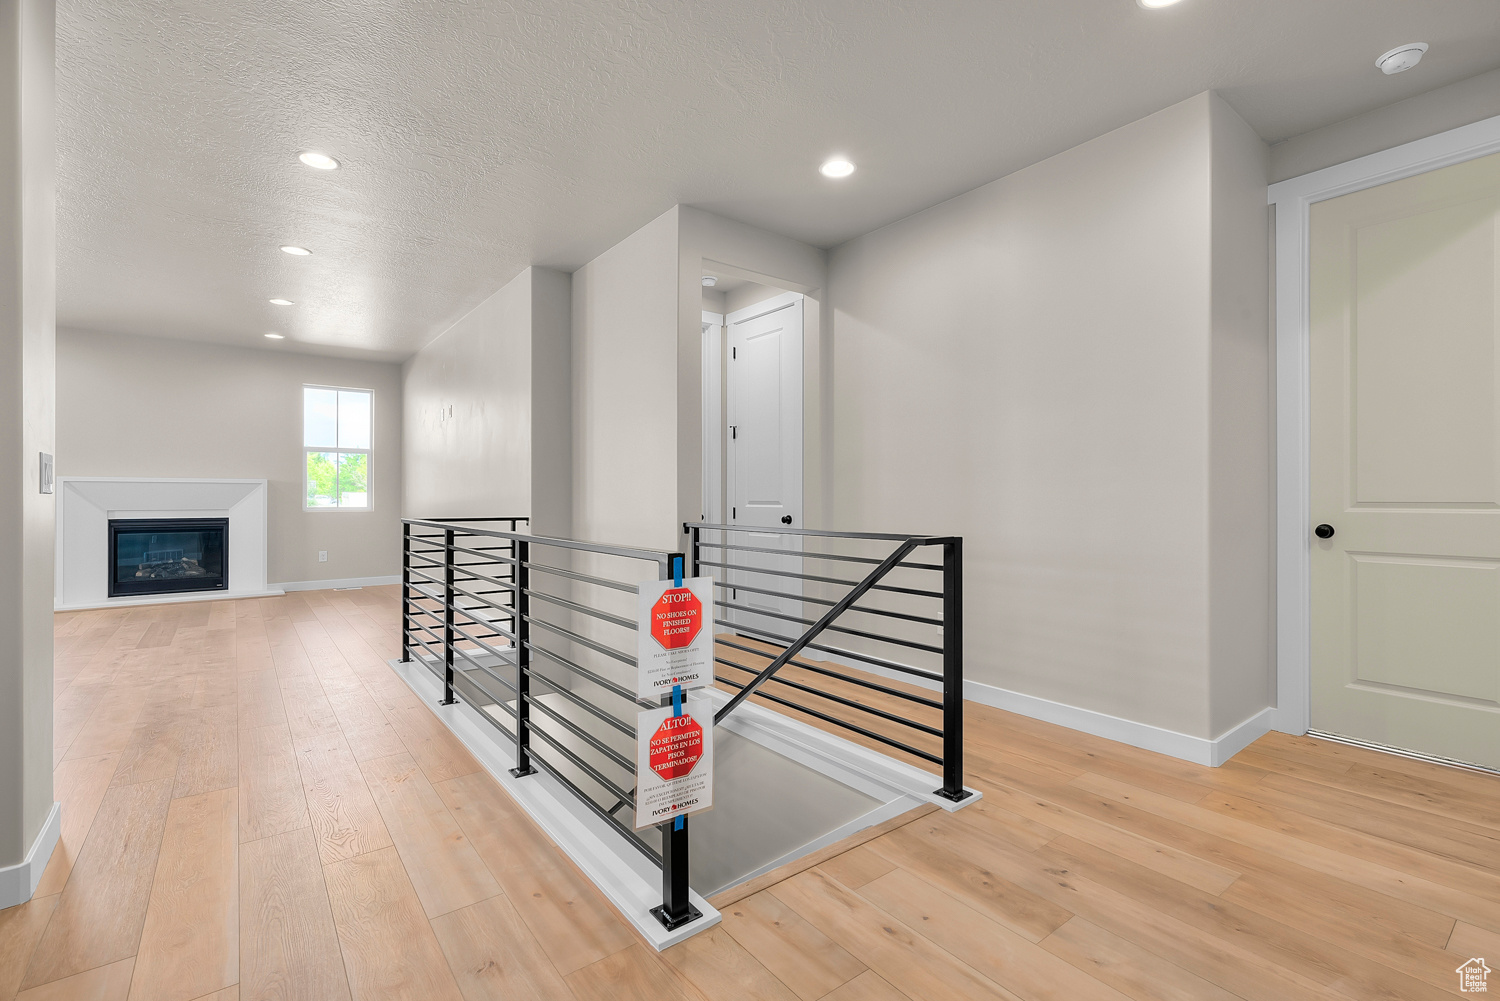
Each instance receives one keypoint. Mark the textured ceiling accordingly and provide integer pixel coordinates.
(480, 137)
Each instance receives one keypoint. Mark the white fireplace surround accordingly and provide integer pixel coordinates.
(85, 505)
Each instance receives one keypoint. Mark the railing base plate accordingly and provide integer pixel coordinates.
(521, 773)
(953, 797)
(660, 913)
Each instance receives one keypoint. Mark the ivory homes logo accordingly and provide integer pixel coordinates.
(1472, 977)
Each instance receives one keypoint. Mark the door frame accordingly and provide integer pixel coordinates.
(1292, 201)
(775, 302)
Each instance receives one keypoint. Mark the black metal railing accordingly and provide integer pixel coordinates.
(538, 635)
(878, 656)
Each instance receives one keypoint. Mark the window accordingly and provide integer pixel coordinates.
(336, 440)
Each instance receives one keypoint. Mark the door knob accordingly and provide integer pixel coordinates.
(786, 519)
(1324, 531)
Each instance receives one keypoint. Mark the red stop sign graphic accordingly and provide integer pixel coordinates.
(676, 618)
(676, 747)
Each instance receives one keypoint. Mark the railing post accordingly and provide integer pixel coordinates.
(953, 671)
(448, 601)
(676, 908)
(522, 629)
(405, 593)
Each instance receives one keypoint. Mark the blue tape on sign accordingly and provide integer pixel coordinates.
(677, 703)
(677, 572)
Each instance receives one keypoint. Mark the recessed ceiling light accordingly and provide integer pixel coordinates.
(296, 251)
(282, 302)
(709, 281)
(837, 167)
(276, 337)
(1401, 58)
(1156, 4)
(319, 160)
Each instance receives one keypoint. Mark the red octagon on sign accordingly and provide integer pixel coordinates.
(676, 618)
(676, 747)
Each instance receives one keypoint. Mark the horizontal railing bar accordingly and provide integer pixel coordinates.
(822, 580)
(626, 552)
(459, 608)
(868, 659)
(583, 577)
(631, 836)
(921, 540)
(574, 606)
(910, 644)
(512, 518)
(509, 611)
(592, 772)
(593, 676)
(479, 643)
(559, 571)
(817, 669)
(457, 650)
(582, 734)
(883, 714)
(499, 699)
(577, 638)
(824, 601)
(507, 586)
(583, 703)
(838, 722)
(817, 556)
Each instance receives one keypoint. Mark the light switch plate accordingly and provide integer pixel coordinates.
(46, 478)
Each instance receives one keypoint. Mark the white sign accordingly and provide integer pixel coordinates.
(674, 762)
(674, 636)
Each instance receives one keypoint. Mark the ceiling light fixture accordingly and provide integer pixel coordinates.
(709, 281)
(276, 337)
(837, 167)
(320, 161)
(1156, 4)
(296, 251)
(282, 302)
(1401, 58)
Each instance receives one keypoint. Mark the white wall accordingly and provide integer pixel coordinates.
(235, 413)
(27, 402)
(1241, 499)
(1034, 365)
(626, 390)
(488, 410)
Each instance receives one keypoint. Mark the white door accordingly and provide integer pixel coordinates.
(764, 449)
(1405, 379)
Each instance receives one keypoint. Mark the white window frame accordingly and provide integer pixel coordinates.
(366, 452)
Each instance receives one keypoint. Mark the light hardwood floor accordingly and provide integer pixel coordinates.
(255, 807)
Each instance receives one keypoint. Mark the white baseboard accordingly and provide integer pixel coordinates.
(18, 882)
(169, 599)
(1200, 750)
(328, 585)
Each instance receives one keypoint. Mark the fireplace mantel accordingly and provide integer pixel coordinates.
(85, 504)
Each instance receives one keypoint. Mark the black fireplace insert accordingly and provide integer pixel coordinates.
(168, 555)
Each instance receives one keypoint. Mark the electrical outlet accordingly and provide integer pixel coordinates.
(322, 556)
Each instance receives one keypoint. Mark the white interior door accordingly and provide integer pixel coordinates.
(764, 450)
(1405, 379)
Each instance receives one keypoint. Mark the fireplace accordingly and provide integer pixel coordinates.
(168, 555)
